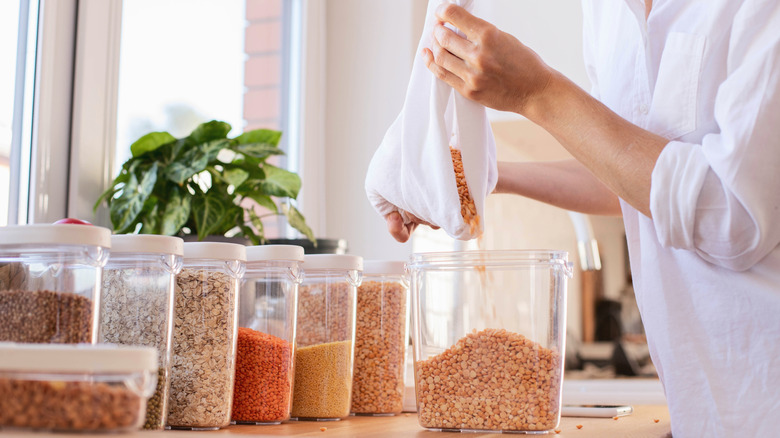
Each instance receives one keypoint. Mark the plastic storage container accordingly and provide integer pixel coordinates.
(204, 335)
(381, 336)
(136, 304)
(75, 388)
(489, 331)
(50, 282)
(325, 336)
(266, 334)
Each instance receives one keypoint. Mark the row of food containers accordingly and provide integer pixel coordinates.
(204, 334)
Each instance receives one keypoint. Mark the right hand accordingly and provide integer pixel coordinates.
(488, 66)
(401, 231)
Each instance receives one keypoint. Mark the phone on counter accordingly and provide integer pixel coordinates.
(609, 411)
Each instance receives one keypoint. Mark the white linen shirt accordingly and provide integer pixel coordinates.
(704, 74)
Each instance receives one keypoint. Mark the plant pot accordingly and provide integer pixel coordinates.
(324, 246)
(215, 238)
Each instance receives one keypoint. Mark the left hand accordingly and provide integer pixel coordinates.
(489, 66)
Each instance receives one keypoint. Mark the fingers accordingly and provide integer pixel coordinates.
(449, 61)
(442, 73)
(396, 227)
(452, 42)
(460, 18)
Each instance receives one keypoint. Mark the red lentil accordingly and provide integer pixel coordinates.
(264, 374)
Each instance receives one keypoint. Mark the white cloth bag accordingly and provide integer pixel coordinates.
(412, 171)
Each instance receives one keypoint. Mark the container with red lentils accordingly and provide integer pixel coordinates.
(266, 335)
(381, 336)
(489, 330)
(325, 336)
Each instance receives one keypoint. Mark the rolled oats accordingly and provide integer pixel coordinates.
(204, 340)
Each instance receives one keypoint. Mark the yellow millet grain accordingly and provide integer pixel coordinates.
(490, 380)
(323, 380)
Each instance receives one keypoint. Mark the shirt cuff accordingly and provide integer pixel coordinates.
(677, 179)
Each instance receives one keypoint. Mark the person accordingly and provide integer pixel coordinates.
(681, 135)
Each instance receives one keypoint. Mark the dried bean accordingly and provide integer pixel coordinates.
(380, 346)
(45, 317)
(467, 207)
(69, 406)
(490, 380)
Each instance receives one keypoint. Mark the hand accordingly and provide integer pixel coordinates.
(400, 231)
(489, 66)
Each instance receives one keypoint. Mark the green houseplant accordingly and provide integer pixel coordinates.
(199, 184)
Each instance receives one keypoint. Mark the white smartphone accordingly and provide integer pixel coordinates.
(596, 410)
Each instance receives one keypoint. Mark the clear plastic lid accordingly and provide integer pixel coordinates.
(491, 259)
(80, 358)
(146, 243)
(260, 253)
(336, 262)
(214, 251)
(55, 234)
(383, 267)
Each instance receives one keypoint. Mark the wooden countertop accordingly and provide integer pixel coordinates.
(640, 424)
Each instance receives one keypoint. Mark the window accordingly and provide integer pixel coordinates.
(18, 23)
(9, 29)
(182, 65)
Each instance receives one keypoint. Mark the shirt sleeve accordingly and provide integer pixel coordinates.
(589, 46)
(721, 198)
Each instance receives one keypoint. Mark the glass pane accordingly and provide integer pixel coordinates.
(184, 63)
(9, 33)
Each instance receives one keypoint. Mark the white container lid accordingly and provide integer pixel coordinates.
(214, 251)
(55, 234)
(146, 243)
(260, 253)
(343, 262)
(78, 358)
(383, 267)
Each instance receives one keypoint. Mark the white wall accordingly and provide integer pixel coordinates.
(369, 50)
(552, 28)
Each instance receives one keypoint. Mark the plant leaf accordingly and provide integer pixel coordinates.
(264, 201)
(176, 213)
(209, 212)
(249, 233)
(194, 161)
(260, 151)
(255, 220)
(213, 130)
(125, 209)
(235, 176)
(280, 182)
(267, 136)
(150, 218)
(297, 221)
(150, 142)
